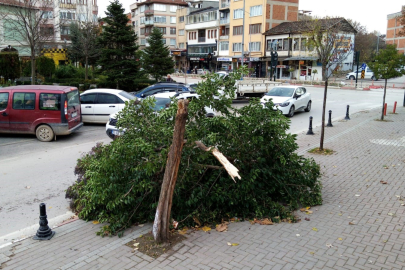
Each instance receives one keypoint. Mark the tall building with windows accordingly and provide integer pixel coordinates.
(236, 41)
(394, 26)
(156, 13)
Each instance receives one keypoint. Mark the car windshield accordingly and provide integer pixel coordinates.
(127, 95)
(161, 103)
(281, 92)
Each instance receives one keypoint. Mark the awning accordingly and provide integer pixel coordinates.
(311, 58)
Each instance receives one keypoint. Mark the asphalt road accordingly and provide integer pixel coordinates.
(32, 172)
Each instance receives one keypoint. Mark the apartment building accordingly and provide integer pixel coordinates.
(161, 14)
(393, 28)
(242, 24)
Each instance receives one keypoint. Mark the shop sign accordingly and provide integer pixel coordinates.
(194, 59)
(176, 53)
(254, 59)
(301, 62)
(281, 66)
(224, 59)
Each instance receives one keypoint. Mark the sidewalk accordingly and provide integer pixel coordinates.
(359, 226)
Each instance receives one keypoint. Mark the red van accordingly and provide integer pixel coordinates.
(43, 110)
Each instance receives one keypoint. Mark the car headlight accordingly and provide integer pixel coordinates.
(285, 104)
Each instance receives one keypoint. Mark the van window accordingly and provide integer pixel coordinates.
(50, 102)
(73, 99)
(3, 101)
(24, 101)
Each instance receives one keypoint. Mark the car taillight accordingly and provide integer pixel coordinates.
(66, 110)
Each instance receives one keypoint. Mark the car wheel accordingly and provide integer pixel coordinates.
(291, 112)
(352, 77)
(308, 108)
(45, 133)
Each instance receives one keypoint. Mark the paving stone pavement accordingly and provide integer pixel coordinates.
(366, 152)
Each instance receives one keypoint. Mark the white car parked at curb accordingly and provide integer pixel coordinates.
(162, 99)
(288, 99)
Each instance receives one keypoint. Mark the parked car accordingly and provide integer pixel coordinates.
(288, 99)
(162, 101)
(43, 110)
(162, 87)
(98, 104)
(368, 74)
(202, 71)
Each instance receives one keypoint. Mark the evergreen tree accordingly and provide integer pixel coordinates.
(119, 48)
(157, 59)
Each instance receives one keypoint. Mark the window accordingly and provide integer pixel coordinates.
(143, 41)
(162, 29)
(164, 40)
(255, 28)
(237, 47)
(3, 101)
(224, 46)
(159, 7)
(237, 30)
(88, 99)
(160, 19)
(24, 101)
(142, 31)
(192, 35)
(73, 99)
(47, 15)
(172, 19)
(172, 30)
(46, 31)
(50, 102)
(238, 14)
(82, 2)
(173, 8)
(108, 99)
(296, 44)
(67, 15)
(181, 32)
(65, 30)
(254, 46)
(136, 11)
(181, 19)
(82, 17)
(225, 32)
(286, 44)
(256, 11)
(142, 9)
(303, 44)
(181, 46)
(172, 42)
(142, 20)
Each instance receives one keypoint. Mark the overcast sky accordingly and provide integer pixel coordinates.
(372, 14)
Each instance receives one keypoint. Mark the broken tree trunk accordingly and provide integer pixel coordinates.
(162, 217)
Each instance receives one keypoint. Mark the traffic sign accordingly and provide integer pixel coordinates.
(362, 74)
(363, 66)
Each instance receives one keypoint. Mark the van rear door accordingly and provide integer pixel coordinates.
(72, 108)
(4, 111)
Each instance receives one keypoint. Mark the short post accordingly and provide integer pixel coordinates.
(404, 100)
(385, 109)
(347, 113)
(395, 107)
(44, 232)
(310, 132)
(330, 119)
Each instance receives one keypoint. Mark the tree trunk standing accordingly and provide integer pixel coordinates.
(86, 76)
(33, 75)
(383, 105)
(162, 217)
(323, 115)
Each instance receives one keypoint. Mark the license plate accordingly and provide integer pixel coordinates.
(74, 114)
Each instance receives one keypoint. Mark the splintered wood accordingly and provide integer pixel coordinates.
(232, 170)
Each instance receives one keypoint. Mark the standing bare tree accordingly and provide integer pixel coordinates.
(30, 23)
(332, 40)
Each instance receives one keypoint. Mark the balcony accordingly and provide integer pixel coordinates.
(224, 21)
(67, 6)
(150, 22)
(201, 39)
(149, 12)
(225, 4)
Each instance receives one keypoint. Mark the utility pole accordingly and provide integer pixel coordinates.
(243, 35)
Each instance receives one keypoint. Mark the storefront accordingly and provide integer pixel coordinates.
(179, 57)
(224, 63)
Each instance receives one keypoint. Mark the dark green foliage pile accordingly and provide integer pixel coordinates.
(119, 183)
(156, 57)
(45, 66)
(118, 53)
(67, 71)
(9, 65)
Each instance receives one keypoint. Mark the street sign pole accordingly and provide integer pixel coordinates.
(357, 58)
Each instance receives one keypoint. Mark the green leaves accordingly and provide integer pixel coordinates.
(388, 63)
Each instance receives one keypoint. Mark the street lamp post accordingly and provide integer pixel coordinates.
(243, 36)
(378, 40)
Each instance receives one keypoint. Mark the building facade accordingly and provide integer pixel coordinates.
(394, 26)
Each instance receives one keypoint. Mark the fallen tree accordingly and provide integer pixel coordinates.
(120, 183)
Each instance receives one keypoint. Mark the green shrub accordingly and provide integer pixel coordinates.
(120, 182)
(66, 71)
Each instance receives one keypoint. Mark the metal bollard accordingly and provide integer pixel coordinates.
(395, 107)
(44, 232)
(347, 113)
(310, 132)
(330, 119)
(385, 109)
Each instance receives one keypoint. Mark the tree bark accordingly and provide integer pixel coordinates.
(161, 224)
(86, 76)
(323, 115)
(383, 105)
(33, 75)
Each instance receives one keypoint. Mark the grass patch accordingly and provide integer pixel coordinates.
(325, 151)
(147, 245)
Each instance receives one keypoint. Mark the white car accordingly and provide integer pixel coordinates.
(368, 74)
(162, 100)
(288, 99)
(98, 104)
